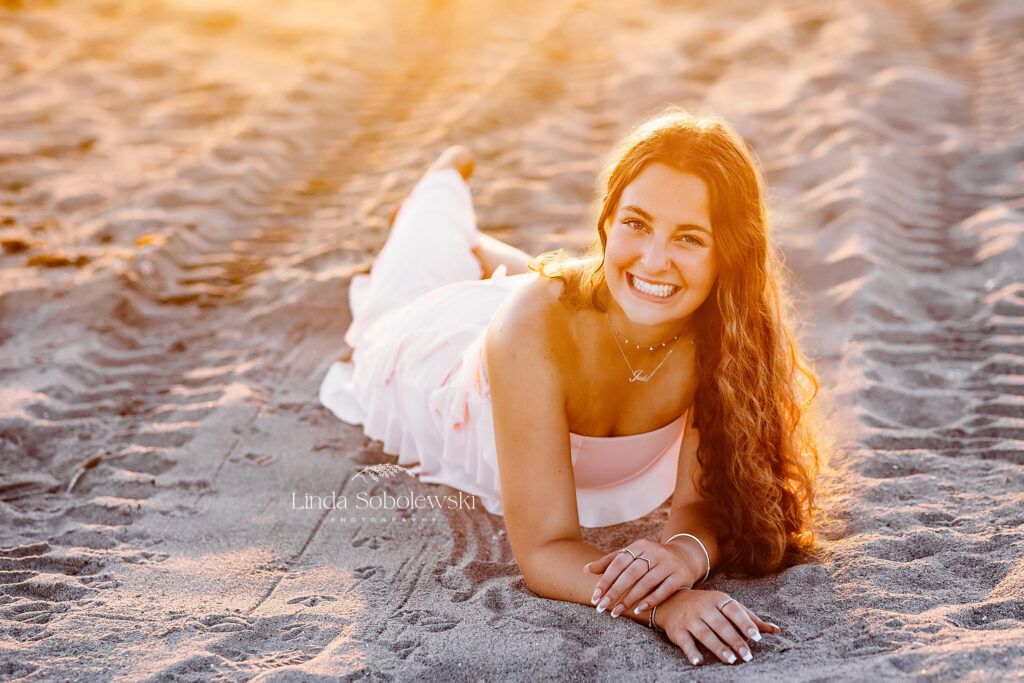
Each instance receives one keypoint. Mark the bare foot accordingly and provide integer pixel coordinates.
(457, 157)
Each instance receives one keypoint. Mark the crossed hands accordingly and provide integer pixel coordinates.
(654, 578)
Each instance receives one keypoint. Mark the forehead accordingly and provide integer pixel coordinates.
(668, 195)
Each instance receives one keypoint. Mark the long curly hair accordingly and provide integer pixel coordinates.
(759, 449)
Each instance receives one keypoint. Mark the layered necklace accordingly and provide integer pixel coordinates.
(637, 374)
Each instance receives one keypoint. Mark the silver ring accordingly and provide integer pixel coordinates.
(641, 557)
(725, 602)
(627, 550)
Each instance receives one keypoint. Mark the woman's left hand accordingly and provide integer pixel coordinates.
(628, 583)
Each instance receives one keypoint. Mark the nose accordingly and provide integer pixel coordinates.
(655, 256)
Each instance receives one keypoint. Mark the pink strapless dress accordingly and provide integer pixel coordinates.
(416, 380)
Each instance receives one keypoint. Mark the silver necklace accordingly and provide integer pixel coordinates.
(637, 374)
(639, 346)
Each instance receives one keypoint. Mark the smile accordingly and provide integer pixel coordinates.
(652, 289)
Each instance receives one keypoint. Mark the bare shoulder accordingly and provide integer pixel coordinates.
(532, 320)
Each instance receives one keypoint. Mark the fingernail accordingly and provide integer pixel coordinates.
(586, 568)
(777, 629)
(730, 657)
(617, 611)
(745, 653)
(603, 604)
(640, 608)
(755, 635)
(696, 661)
(597, 594)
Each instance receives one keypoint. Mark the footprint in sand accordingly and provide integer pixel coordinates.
(311, 600)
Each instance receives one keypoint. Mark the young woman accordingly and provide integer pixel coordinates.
(568, 393)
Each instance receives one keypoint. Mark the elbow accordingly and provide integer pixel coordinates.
(534, 578)
(531, 585)
(539, 586)
(540, 573)
(530, 578)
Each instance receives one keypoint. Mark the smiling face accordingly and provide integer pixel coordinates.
(659, 263)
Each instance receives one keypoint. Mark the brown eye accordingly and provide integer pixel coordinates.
(690, 240)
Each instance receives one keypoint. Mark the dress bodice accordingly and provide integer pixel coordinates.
(604, 461)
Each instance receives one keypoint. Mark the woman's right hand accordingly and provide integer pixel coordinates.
(714, 619)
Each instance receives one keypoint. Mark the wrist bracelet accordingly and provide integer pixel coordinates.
(650, 618)
(707, 557)
(651, 622)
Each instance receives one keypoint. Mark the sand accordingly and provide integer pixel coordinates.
(186, 189)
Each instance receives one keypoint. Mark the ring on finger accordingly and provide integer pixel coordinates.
(722, 604)
(627, 550)
(641, 557)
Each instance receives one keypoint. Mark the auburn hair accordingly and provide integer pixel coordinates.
(759, 450)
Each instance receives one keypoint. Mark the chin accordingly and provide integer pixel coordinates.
(645, 316)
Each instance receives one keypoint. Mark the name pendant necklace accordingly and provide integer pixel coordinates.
(637, 374)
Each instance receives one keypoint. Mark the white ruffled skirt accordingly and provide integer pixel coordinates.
(414, 380)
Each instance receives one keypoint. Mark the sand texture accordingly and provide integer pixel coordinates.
(187, 188)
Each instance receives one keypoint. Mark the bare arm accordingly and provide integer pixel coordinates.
(689, 513)
(692, 519)
(531, 430)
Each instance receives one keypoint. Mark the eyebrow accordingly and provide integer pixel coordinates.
(682, 226)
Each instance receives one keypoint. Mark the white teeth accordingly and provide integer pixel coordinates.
(655, 290)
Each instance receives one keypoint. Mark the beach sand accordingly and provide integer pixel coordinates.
(186, 189)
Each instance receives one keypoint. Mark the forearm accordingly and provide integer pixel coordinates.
(556, 572)
(693, 519)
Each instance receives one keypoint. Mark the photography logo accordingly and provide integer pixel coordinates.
(375, 473)
(405, 506)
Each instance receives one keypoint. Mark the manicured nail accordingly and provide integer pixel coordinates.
(597, 594)
(640, 608)
(603, 605)
(696, 661)
(730, 657)
(586, 568)
(745, 653)
(755, 635)
(619, 609)
(777, 629)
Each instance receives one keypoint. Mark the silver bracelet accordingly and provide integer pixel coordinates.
(651, 623)
(650, 617)
(706, 556)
